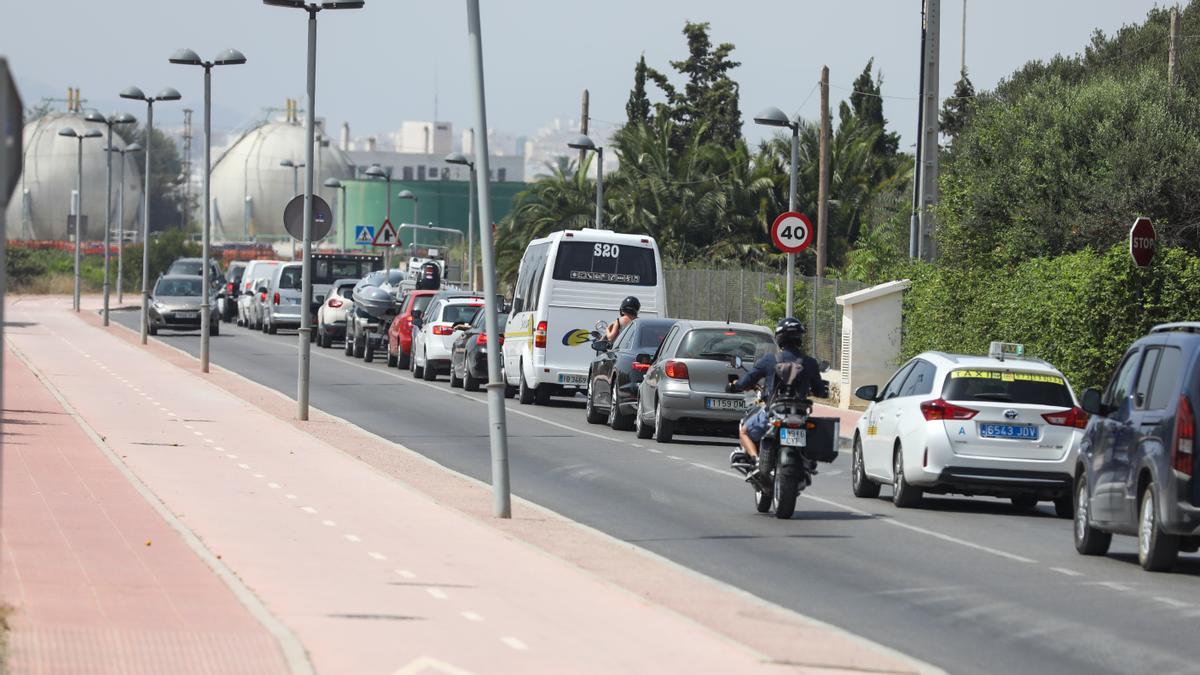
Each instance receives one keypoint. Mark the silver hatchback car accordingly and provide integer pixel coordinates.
(684, 386)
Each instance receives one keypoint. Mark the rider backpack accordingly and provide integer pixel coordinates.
(792, 382)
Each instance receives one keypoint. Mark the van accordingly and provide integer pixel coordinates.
(567, 283)
(283, 298)
(255, 269)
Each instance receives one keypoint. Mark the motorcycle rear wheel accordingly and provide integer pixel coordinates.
(787, 489)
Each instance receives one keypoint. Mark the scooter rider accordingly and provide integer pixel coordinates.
(630, 307)
(789, 336)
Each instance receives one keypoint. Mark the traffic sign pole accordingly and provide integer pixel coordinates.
(791, 259)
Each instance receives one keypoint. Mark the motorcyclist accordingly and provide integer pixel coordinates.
(630, 307)
(789, 336)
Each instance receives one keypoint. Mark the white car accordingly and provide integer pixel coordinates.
(1002, 425)
(331, 317)
(433, 341)
(246, 301)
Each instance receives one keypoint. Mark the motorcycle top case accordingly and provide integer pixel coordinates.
(822, 439)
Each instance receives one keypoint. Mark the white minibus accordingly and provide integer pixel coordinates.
(568, 282)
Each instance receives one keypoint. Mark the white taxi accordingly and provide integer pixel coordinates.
(1003, 425)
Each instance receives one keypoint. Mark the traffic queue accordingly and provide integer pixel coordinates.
(588, 318)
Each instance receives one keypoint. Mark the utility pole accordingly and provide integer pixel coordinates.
(1173, 53)
(187, 168)
(962, 63)
(914, 223)
(823, 182)
(929, 133)
(583, 126)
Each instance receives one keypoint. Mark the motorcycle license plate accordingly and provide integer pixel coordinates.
(725, 404)
(793, 437)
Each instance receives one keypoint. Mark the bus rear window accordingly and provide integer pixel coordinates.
(597, 262)
(1008, 387)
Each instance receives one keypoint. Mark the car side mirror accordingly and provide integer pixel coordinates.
(869, 392)
(1091, 402)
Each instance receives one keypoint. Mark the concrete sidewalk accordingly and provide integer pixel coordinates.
(371, 573)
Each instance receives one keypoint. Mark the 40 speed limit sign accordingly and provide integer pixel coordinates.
(792, 232)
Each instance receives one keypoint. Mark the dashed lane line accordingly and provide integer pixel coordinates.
(514, 643)
(1068, 572)
(437, 593)
(471, 616)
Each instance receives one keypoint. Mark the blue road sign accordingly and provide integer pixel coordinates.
(364, 234)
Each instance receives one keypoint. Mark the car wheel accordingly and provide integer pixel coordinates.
(455, 381)
(1088, 540)
(272, 329)
(348, 348)
(403, 361)
(524, 394)
(617, 420)
(214, 328)
(360, 346)
(664, 429)
(1157, 550)
(469, 381)
(860, 484)
(904, 496)
(1064, 507)
(592, 415)
(392, 360)
(1024, 502)
(430, 373)
(368, 350)
(262, 326)
(417, 370)
(640, 427)
(152, 330)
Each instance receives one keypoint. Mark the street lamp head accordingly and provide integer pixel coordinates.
(288, 163)
(343, 4)
(133, 93)
(332, 183)
(458, 158)
(68, 131)
(91, 133)
(186, 57)
(94, 116)
(581, 142)
(772, 117)
(407, 194)
(122, 118)
(133, 147)
(295, 4)
(375, 171)
(229, 57)
(168, 94)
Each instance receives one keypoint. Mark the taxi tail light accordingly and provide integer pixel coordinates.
(939, 409)
(481, 340)
(335, 302)
(443, 330)
(676, 370)
(1185, 437)
(1075, 417)
(276, 299)
(539, 335)
(641, 367)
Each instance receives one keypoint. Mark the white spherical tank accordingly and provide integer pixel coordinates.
(42, 200)
(250, 188)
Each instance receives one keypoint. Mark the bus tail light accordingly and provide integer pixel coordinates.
(539, 336)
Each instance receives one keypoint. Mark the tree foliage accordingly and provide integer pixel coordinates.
(956, 110)
(166, 196)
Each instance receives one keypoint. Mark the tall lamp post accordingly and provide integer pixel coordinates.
(167, 94)
(310, 133)
(337, 185)
(461, 159)
(407, 194)
(79, 136)
(129, 149)
(584, 143)
(187, 57)
(379, 173)
(774, 117)
(295, 167)
(120, 118)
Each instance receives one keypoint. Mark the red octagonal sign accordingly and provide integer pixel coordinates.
(1142, 242)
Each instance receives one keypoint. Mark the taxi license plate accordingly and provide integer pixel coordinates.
(1024, 432)
(725, 404)
(564, 378)
(793, 437)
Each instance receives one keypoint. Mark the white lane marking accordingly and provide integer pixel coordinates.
(232, 456)
(437, 593)
(514, 643)
(290, 496)
(171, 414)
(1068, 572)
(197, 433)
(244, 466)
(1113, 585)
(674, 457)
(706, 467)
(188, 426)
(637, 445)
(405, 574)
(352, 538)
(329, 523)
(208, 440)
(219, 449)
(657, 452)
(376, 555)
(308, 509)
(471, 616)
(274, 486)
(258, 475)
(1172, 602)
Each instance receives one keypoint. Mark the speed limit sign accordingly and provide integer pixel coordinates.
(792, 232)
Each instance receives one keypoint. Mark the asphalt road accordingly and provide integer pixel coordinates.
(970, 585)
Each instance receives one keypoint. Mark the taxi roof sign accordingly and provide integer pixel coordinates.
(999, 350)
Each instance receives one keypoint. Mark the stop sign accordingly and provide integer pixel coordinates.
(1142, 242)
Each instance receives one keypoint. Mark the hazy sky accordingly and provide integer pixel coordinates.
(382, 64)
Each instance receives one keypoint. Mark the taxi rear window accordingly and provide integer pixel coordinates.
(1006, 386)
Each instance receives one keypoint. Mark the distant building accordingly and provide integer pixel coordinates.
(547, 146)
(418, 166)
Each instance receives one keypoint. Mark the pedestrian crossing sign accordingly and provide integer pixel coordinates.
(364, 234)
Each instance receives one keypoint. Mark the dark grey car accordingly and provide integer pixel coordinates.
(1135, 473)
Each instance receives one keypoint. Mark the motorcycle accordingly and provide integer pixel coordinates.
(789, 451)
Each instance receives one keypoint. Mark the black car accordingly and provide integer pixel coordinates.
(1135, 473)
(618, 369)
(468, 354)
(233, 284)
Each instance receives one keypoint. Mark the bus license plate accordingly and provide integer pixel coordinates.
(793, 437)
(725, 404)
(564, 378)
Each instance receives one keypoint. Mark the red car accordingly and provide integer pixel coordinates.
(400, 332)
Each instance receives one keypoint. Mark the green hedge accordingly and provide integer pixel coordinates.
(26, 266)
(1078, 311)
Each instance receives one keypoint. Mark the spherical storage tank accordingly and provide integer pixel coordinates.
(250, 189)
(42, 201)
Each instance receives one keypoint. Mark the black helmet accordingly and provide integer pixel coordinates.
(788, 333)
(631, 306)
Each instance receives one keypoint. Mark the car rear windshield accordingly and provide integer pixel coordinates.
(459, 313)
(178, 288)
(234, 275)
(651, 336)
(605, 263)
(1007, 386)
(721, 343)
(290, 278)
(421, 302)
(346, 291)
(191, 267)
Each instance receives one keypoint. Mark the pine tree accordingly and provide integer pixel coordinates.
(956, 110)
(638, 107)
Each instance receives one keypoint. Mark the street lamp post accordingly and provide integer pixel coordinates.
(187, 57)
(337, 185)
(461, 159)
(121, 118)
(295, 167)
(407, 194)
(584, 143)
(131, 148)
(302, 380)
(167, 94)
(379, 173)
(71, 133)
(774, 117)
